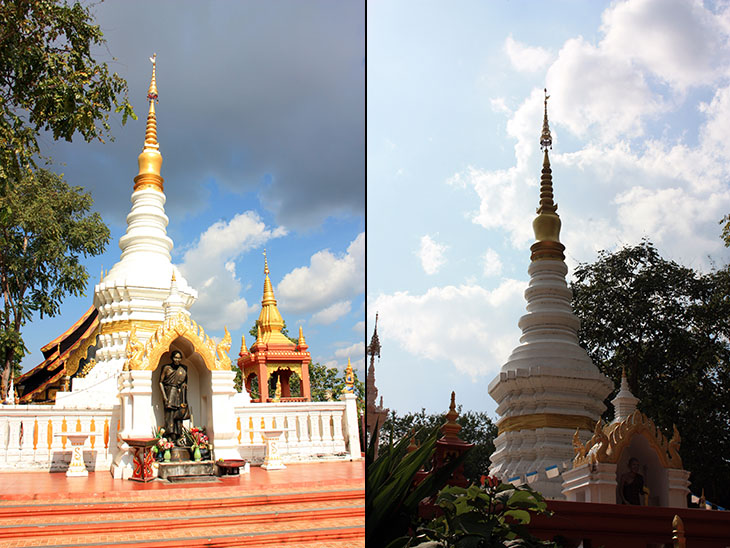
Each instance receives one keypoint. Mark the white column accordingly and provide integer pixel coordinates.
(350, 426)
(223, 433)
(678, 481)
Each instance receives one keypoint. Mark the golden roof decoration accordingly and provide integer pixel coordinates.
(349, 378)
(147, 357)
(72, 364)
(244, 348)
(270, 321)
(608, 442)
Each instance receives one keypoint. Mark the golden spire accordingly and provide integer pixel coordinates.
(244, 348)
(451, 428)
(150, 160)
(547, 223)
(270, 320)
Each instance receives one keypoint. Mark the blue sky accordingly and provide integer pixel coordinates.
(640, 98)
(261, 126)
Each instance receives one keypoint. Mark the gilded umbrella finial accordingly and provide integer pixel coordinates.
(547, 223)
(546, 139)
(150, 160)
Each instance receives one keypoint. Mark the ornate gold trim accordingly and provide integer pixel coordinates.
(607, 443)
(295, 368)
(147, 357)
(121, 326)
(72, 363)
(544, 420)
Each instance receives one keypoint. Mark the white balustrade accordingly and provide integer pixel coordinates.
(311, 429)
(28, 440)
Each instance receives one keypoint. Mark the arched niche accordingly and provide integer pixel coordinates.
(651, 467)
(199, 384)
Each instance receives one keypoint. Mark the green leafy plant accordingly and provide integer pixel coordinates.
(495, 514)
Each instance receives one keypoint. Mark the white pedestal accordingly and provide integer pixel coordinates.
(272, 458)
(77, 439)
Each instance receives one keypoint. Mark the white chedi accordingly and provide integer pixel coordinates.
(548, 375)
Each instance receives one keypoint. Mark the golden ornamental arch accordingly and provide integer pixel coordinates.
(607, 443)
(146, 357)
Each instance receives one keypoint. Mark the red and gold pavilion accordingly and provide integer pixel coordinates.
(274, 356)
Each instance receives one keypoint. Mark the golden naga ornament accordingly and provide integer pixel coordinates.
(607, 443)
(147, 357)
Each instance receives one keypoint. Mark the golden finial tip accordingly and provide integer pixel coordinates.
(266, 264)
(152, 92)
(546, 139)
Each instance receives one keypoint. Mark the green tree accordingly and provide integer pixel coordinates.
(476, 428)
(50, 81)
(45, 229)
(725, 222)
(669, 326)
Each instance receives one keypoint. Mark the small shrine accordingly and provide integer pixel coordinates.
(273, 361)
(628, 461)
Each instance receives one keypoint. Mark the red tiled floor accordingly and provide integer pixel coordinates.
(20, 486)
(317, 505)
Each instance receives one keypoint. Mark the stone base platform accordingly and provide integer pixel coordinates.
(189, 468)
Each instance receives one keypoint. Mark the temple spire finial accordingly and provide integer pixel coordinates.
(547, 223)
(270, 319)
(546, 139)
(152, 92)
(150, 160)
(150, 137)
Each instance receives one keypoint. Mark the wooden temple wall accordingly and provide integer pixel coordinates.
(31, 437)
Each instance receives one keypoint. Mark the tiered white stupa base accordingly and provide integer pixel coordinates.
(548, 385)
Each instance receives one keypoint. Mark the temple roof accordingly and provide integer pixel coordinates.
(57, 353)
(270, 321)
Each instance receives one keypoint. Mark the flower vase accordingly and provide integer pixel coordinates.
(196, 453)
(167, 455)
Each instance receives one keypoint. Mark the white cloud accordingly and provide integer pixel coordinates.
(499, 105)
(356, 354)
(680, 41)
(431, 255)
(492, 263)
(209, 266)
(353, 351)
(628, 180)
(600, 94)
(359, 327)
(525, 58)
(329, 278)
(471, 328)
(332, 313)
